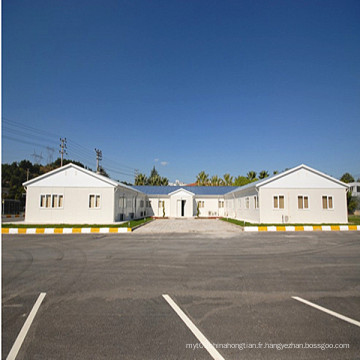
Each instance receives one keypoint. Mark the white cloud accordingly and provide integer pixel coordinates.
(156, 160)
(164, 163)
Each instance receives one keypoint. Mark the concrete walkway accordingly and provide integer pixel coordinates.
(188, 226)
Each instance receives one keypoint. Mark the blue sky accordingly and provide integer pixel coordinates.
(220, 86)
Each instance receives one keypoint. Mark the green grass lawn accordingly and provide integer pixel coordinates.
(353, 220)
(131, 224)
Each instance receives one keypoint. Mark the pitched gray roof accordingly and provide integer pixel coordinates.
(197, 190)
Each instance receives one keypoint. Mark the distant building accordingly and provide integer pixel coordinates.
(177, 183)
(354, 187)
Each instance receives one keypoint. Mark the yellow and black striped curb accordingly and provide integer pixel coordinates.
(303, 228)
(92, 230)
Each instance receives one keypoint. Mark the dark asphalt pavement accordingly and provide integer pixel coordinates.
(104, 294)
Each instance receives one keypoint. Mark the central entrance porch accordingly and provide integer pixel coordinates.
(182, 203)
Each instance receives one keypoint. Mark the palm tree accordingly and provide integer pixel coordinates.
(228, 180)
(141, 179)
(263, 174)
(216, 181)
(275, 172)
(155, 180)
(251, 175)
(202, 179)
(164, 181)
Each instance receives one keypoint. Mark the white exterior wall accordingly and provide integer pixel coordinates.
(315, 214)
(157, 211)
(75, 208)
(127, 204)
(236, 206)
(211, 206)
(175, 204)
(76, 185)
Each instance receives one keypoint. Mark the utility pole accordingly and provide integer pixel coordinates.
(62, 150)
(136, 173)
(98, 159)
(27, 174)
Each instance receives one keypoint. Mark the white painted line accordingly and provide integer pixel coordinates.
(13, 231)
(308, 228)
(271, 228)
(330, 312)
(205, 342)
(326, 228)
(49, 230)
(290, 228)
(67, 231)
(104, 230)
(85, 230)
(22, 334)
(31, 231)
(344, 228)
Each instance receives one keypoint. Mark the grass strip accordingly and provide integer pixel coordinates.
(130, 223)
(243, 223)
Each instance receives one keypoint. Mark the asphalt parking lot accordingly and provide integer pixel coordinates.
(104, 295)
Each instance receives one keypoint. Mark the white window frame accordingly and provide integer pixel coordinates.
(201, 204)
(278, 197)
(256, 201)
(95, 207)
(303, 202)
(51, 196)
(327, 202)
(247, 203)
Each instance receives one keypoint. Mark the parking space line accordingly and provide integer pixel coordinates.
(24, 330)
(330, 312)
(204, 341)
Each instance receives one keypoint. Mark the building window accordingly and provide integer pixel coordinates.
(221, 203)
(256, 202)
(141, 203)
(327, 202)
(303, 202)
(201, 204)
(161, 203)
(51, 201)
(279, 202)
(247, 203)
(94, 201)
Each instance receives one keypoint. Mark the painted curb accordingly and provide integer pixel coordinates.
(56, 231)
(303, 228)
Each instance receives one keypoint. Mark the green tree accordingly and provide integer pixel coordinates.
(228, 180)
(251, 175)
(154, 173)
(347, 178)
(164, 181)
(216, 181)
(263, 174)
(141, 179)
(275, 172)
(352, 202)
(202, 179)
(241, 181)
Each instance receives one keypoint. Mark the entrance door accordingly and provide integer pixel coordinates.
(183, 207)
